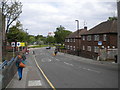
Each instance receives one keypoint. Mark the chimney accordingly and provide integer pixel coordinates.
(85, 27)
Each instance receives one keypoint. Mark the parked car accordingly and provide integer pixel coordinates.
(48, 47)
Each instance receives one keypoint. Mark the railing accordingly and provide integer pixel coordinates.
(7, 63)
(8, 69)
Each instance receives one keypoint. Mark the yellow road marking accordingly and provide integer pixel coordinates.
(44, 75)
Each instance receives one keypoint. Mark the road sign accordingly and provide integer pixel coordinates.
(22, 44)
(99, 42)
(13, 44)
(18, 44)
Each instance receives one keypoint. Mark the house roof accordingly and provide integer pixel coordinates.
(77, 33)
(104, 27)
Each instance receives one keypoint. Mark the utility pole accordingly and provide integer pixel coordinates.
(118, 29)
(1, 35)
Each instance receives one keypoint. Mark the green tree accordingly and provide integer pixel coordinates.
(61, 34)
(50, 39)
(112, 18)
(40, 39)
(17, 34)
(31, 39)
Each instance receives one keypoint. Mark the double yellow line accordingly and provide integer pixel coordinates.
(44, 74)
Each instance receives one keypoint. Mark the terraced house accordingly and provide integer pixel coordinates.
(100, 42)
(73, 42)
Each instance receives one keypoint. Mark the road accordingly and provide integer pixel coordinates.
(68, 71)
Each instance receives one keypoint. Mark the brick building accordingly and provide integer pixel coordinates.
(73, 42)
(100, 42)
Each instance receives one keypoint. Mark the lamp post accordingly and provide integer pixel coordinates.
(77, 37)
(26, 39)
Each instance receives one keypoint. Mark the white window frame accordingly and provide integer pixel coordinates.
(96, 37)
(96, 49)
(89, 37)
(104, 37)
(89, 48)
(68, 40)
(83, 38)
(83, 47)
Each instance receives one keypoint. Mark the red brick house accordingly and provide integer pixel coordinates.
(73, 41)
(100, 41)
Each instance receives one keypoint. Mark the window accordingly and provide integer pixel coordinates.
(96, 49)
(89, 48)
(104, 37)
(70, 47)
(83, 47)
(74, 40)
(96, 37)
(89, 37)
(74, 48)
(83, 37)
(68, 40)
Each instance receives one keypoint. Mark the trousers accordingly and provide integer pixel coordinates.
(20, 72)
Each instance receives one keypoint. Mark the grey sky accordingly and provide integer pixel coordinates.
(43, 16)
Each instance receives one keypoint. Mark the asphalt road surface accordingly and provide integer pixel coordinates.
(68, 71)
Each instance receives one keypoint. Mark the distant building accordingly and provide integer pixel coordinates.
(51, 34)
(73, 41)
(100, 42)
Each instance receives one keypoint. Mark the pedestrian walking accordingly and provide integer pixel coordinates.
(55, 52)
(20, 63)
(33, 52)
(23, 56)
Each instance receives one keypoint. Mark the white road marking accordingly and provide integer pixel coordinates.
(57, 60)
(46, 60)
(94, 70)
(90, 70)
(34, 83)
(68, 64)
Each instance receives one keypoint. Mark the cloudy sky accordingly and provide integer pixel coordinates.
(43, 16)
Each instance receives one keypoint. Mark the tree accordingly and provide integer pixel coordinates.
(112, 18)
(31, 39)
(11, 11)
(40, 39)
(17, 34)
(50, 39)
(61, 34)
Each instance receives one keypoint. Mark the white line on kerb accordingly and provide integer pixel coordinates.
(68, 64)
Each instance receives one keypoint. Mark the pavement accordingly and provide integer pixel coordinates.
(32, 78)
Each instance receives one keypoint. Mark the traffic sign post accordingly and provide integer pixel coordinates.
(99, 44)
(22, 44)
(13, 45)
(18, 45)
